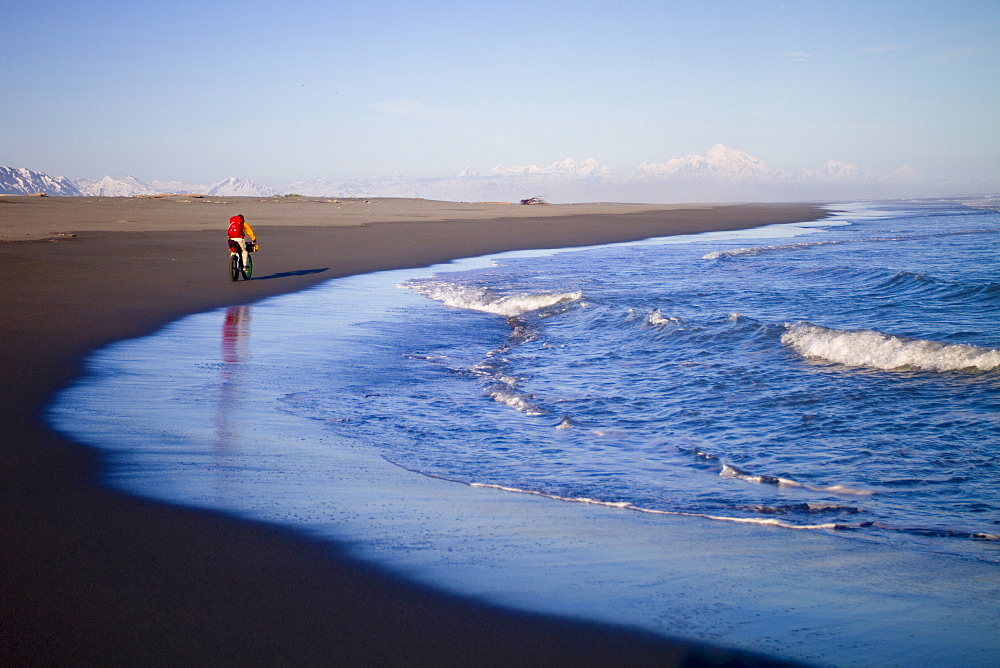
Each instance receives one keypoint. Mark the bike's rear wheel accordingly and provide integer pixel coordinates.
(248, 268)
(234, 267)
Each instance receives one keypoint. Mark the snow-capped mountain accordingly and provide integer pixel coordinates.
(723, 173)
(22, 181)
(236, 187)
(110, 187)
(564, 180)
(840, 172)
(568, 167)
(720, 163)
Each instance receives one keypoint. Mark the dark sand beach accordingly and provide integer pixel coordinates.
(91, 575)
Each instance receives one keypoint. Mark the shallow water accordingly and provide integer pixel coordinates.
(836, 385)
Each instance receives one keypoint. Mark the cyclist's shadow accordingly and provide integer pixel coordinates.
(286, 274)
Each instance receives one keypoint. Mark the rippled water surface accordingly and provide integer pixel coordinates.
(844, 379)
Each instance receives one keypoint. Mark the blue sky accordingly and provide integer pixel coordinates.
(278, 92)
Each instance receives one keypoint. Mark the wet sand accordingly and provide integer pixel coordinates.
(91, 575)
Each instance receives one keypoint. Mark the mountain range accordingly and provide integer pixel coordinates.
(722, 174)
(22, 181)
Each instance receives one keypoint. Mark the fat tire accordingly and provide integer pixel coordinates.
(248, 268)
(234, 267)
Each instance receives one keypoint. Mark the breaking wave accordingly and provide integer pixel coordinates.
(500, 383)
(873, 349)
(489, 301)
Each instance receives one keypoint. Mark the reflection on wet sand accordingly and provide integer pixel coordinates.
(235, 349)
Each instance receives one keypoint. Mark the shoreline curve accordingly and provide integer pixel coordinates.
(92, 575)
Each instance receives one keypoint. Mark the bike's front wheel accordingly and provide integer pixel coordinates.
(234, 267)
(248, 268)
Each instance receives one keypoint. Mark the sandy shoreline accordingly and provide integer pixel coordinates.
(91, 575)
(48, 217)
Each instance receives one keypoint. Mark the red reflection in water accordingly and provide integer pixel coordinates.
(235, 331)
(235, 352)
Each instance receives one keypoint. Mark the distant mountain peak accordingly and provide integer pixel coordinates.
(723, 156)
(721, 150)
(237, 187)
(567, 167)
(112, 187)
(23, 181)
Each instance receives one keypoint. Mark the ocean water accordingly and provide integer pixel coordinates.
(829, 388)
(847, 379)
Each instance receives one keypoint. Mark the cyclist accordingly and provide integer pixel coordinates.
(239, 232)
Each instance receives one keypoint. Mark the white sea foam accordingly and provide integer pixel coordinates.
(480, 299)
(501, 385)
(625, 505)
(869, 348)
(729, 471)
(765, 521)
(657, 320)
(508, 394)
